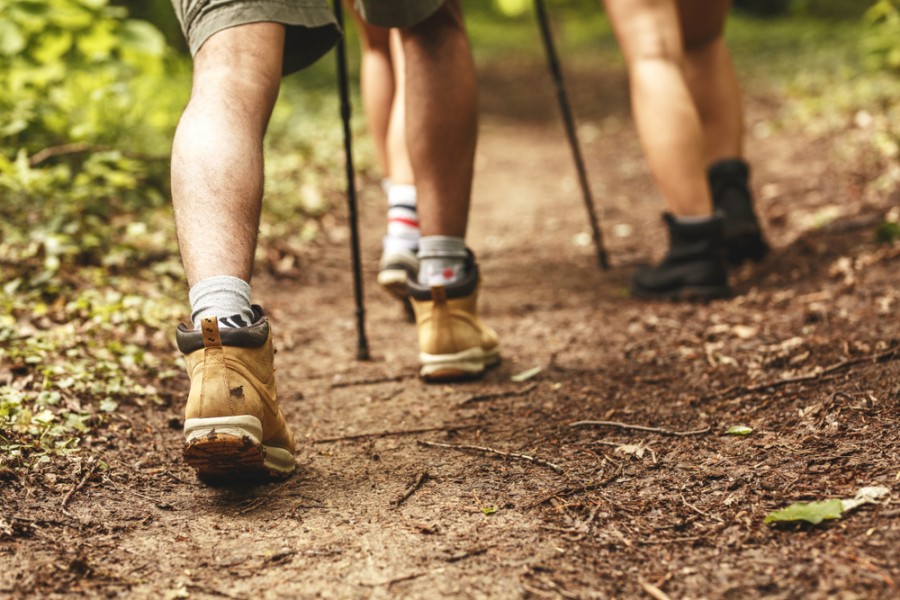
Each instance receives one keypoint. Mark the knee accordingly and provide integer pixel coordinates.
(653, 44)
(240, 86)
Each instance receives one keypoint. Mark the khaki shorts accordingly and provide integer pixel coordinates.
(311, 29)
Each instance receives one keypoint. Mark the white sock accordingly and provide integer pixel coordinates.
(403, 220)
(442, 259)
(223, 296)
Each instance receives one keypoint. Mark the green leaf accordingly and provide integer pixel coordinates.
(108, 405)
(887, 232)
(141, 36)
(811, 512)
(12, 41)
(488, 510)
(739, 430)
(526, 375)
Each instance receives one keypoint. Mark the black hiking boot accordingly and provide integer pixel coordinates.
(731, 197)
(693, 269)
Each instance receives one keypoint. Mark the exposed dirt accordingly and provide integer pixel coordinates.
(598, 511)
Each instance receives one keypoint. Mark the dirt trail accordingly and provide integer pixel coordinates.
(632, 513)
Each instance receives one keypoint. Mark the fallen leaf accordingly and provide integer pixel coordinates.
(866, 495)
(632, 449)
(739, 430)
(811, 512)
(816, 512)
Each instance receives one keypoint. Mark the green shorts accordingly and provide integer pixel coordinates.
(311, 29)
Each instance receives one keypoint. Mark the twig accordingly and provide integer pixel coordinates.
(420, 480)
(77, 488)
(468, 554)
(82, 148)
(409, 577)
(257, 502)
(888, 354)
(383, 434)
(155, 501)
(653, 590)
(537, 461)
(571, 491)
(355, 382)
(639, 428)
(497, 395)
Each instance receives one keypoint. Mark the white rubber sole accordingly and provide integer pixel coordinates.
(468, 364)
(230, 447)
(394, 281)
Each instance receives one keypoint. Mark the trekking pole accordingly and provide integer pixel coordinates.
(362, 344)
(563, 99)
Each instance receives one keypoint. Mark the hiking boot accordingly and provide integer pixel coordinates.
(233, 426)
(694, 267)
(732, 197)
(396, 266)
(453, 342)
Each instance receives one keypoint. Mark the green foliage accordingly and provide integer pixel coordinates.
(87, 255)
(881, 42)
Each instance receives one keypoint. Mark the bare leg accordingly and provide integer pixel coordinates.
(378, 86)
(441, 119)
(711, 78)
(667, 120)
(217, 155)
(401, 171)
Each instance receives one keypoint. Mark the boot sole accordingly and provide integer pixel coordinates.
(745, 245)
(230, 448)
(394, 282)
(461, 366)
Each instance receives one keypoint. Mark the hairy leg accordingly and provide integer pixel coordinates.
(667, 120)
(217, 155)
(441, 119)
(711, 78)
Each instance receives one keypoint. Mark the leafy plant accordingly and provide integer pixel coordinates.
(881, 42)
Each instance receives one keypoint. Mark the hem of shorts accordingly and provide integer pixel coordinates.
(311, 17)
(388, 23)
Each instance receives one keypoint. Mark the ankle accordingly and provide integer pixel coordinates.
(442, 260)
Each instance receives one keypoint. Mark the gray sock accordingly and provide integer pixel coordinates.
(442, 259)
(223, 296)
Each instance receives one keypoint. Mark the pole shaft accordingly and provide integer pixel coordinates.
(362, 343)
(569, 122)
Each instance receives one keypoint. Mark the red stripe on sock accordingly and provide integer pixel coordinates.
(409, 222)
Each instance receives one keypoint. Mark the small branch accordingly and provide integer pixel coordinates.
(469, 554)
(654, 591)
(420, 480)
(659, 430)
(75, 489)
(888, 354)
(388, 379)
(383, 434)
(484, 449)
(84, 148)
(572, 491)
(496, 395)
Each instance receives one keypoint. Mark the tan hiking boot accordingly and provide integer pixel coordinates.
(233, 426)
(454, 344)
